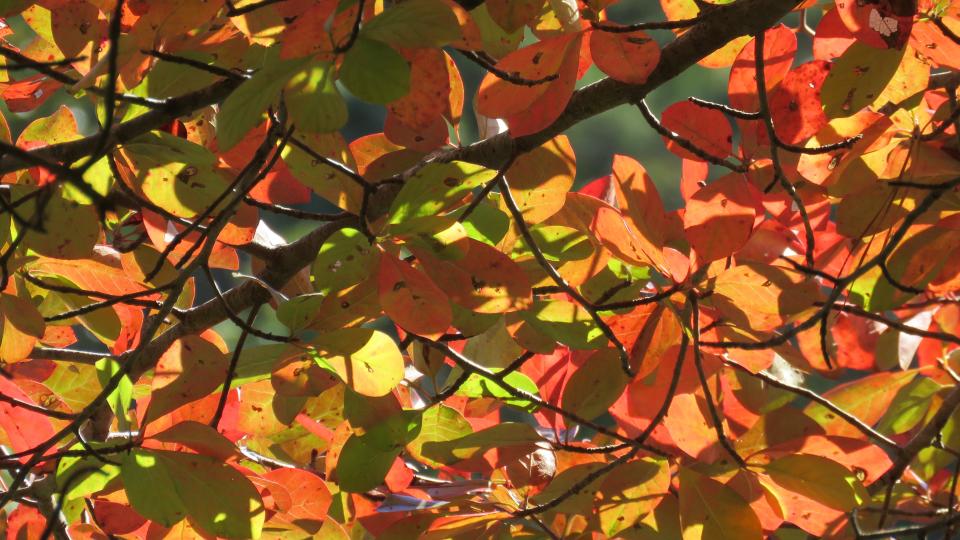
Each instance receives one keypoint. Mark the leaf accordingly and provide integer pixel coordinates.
(624, 239)
(168, 486)
(308, 33)
(639, 201)
(858, 78)
(81, 476)
(439, 423)
(366, 459)
(629, 492)
(412, 300)
(244, 108)
(760, 297)
(70, 229)
(190, 369)
(198, 437)
(437, 188)
(477, 386)
(596, 385)
(21, 325)
(523, 438)
(530, 108)
(779, 49)
(345, 259)
(559, 243)
(540, 179)
(375, 72)
(564, 481)
(175, 174)
(627, 57)
(513, 15)
(708, 129)
(867, 398)
(710, 510)
(313, 99)
(817, 478)
(795, 104)
(122, 396)
(566, 322)
(309, 500)
(880, 25)
(718, 219)
(368, 361)
(414, 24)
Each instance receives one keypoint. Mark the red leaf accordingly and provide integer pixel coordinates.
(795, 104)
(719, 218)
(707, 129)
(884, 24)
(779, 48)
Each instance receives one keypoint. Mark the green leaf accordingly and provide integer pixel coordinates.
(313, 100)
(437, 187)
(440, 423)
(858, 78)
(168, 486)
(502, 436)
(362, 466)
(566, 322)
(122, 395)
(172, 79)
(909, 407)
(151, 490)
(817, 478)
(244, 108)
(70, 228)
(630, 491)
(580, 502)
(82, 476)
(559, 243)
(486, 223)
(366, 459)
(374, 72)
(477, 386)
(175, 174)
(866, 398)
(298, 312)
(415, 24)
(345, 259)
(368, 361)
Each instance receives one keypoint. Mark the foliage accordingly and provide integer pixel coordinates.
(463, 344)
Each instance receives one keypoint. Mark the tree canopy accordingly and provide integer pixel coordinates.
(227, 310)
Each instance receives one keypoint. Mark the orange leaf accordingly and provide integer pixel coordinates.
(627, 57)
(719, 218)
(528, 108)
(412, 299)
